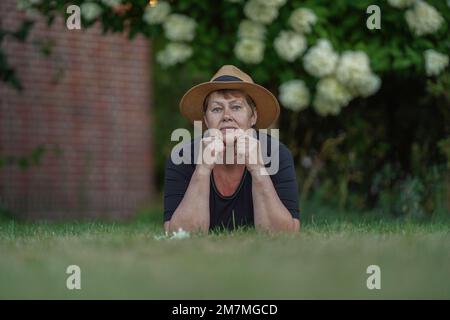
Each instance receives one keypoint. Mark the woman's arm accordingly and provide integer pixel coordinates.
(269, 212)
(193, 212)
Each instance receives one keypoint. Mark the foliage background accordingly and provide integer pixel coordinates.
(389, 152)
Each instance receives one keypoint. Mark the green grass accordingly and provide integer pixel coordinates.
(328, 259)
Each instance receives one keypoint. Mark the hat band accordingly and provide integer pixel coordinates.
(227, 78)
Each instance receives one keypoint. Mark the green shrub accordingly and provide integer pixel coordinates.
(363, 124)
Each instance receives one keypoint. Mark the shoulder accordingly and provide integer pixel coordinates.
(276, 156)
(180, 163)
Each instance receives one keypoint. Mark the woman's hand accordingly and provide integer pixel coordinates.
(248, 152)
(211, 152)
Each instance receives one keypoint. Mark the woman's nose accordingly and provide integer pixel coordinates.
(227, 115)
(227, 118)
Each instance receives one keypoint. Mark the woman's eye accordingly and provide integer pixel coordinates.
(215, 109)
(236, 107)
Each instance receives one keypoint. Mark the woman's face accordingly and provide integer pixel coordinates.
(229, 111)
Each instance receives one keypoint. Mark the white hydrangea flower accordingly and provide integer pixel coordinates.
(275, 3)
(180, 234)
(331, 97)
(176, 235)
(352, 64)
(178, 27)
(289, 45)
(353, 71)
(294, 95)
(329, 89)
(423, 18)
(321, 59)
(302, 20)
(111, 3)
(401, 4)
(156, 14)
(173, 53)
(260, 11)
(249, 50)
(251, 29)
(435, 62)
(369, 85)
(326, 107)
(90, 11)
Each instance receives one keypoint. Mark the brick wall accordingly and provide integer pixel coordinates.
(88, 104)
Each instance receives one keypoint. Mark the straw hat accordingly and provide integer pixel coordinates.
(230, 77)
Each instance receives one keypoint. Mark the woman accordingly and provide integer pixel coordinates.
(216, 194)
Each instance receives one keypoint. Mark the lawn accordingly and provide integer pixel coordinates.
(328, 259)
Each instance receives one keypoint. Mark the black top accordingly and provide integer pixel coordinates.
(237, 209)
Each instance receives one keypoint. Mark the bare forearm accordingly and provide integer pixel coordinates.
(269, 212)
(192, 213)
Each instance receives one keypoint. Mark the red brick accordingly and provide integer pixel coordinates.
(97, 113)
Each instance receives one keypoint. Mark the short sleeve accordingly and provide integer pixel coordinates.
(176, 182)
(285, 182)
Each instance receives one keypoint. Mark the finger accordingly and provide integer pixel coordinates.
(212, 133)
(208, 154)
(229, 137)
(238, 133)
(240, 149)
(216, 133)
(220, 151)
(252, 151)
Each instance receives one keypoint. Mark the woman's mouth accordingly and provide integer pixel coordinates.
(229, 129)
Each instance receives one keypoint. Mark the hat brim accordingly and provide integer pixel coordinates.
(268, 109)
